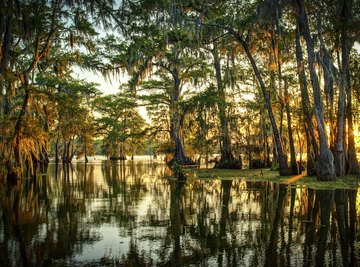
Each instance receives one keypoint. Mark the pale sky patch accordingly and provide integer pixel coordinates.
(107, 86)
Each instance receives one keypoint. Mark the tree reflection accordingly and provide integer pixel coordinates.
(58, 218)
(352, 226)
(291, 221)
(325, 198)
(311, 215)
(224, 220)
(333, 214)
(176, 221)
(271, 253)
(40, 232)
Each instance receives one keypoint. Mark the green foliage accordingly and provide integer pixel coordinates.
(274, 166)
(167, 48)
(178, 171)
(120, 124)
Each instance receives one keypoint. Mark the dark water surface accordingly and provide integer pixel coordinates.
(132, 215)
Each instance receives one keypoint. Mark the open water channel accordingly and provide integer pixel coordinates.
(134, 214)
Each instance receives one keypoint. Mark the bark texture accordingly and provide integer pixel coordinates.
(338, 145)
(325, 165)
(345, 18)
(227, 159)
(176, 123)
(312, 146)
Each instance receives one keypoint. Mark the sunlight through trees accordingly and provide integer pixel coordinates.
(254, 84)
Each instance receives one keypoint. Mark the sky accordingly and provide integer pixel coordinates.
(107, 86)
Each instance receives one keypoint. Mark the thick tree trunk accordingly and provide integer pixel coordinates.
(312, 146)
(346, 14)
(66, 152)
(283, 166)
(175, 128)
(227, 159)
(311, 160)
(63, 156)
(326, 61)
(325, 164)
(339, 154)
(329, 72)
(57, 152)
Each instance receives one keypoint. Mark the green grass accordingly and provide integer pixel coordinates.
(248, 175)
(344, 182)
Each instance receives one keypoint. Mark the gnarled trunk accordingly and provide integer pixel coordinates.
(326, 62)
(346, 13)
(175, 127)
(325, 165)
(339, 154)
(312, 146)
(227, 159)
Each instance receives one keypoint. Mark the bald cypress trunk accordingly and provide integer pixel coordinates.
(325, 165)
(227, 159)
(339, 153)
(312, 146)
(176, 123)
(326, 61)
(345, 16)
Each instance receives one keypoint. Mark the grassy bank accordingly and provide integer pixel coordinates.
(343, 182)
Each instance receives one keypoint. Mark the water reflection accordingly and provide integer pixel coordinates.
(132, 214)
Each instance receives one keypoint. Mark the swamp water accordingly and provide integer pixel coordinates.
(133, 214)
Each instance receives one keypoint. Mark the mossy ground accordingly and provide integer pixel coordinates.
(343, 182)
